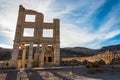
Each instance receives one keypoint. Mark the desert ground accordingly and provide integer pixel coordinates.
(60, 73)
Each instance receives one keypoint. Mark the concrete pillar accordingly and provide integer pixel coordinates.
(42, 55)
(57, 54)
(30, 56)
(23, 57)
(13, 61)
(37, 55)
(57, 42)
(57, 30)
(20, 20)
(38, 48)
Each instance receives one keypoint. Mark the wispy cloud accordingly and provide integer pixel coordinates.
(89, 9)
(80, 25)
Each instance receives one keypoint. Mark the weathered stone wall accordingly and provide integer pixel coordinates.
(38, 39)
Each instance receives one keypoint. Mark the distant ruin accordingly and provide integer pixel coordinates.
(48, 46)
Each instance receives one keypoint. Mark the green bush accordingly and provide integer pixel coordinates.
(85, 62)
(93, 65)
(96, 64)
(89, 65)
(102, 62)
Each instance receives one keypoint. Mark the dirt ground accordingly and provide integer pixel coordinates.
(62, 73)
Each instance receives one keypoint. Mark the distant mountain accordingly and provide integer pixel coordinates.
(5, 53)
(81, 51)
(65, 52)
(111, 48)
(77, 52)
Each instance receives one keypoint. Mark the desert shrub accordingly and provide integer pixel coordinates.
(74, 62)
(65, 63)
(94, 67)
(115, 61)
(89, 65)
(85, 62)
(70, 63)
(93, 64)
(96, 64)
(102, 62)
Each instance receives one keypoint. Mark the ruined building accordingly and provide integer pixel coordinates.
(47, 52)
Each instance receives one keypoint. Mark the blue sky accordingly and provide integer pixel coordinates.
(83, 23)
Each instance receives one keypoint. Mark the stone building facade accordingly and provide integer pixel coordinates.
(47, 47)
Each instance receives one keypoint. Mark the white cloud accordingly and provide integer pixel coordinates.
(112, 34)
(71, 34)
(111, 20)
(5, 46)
